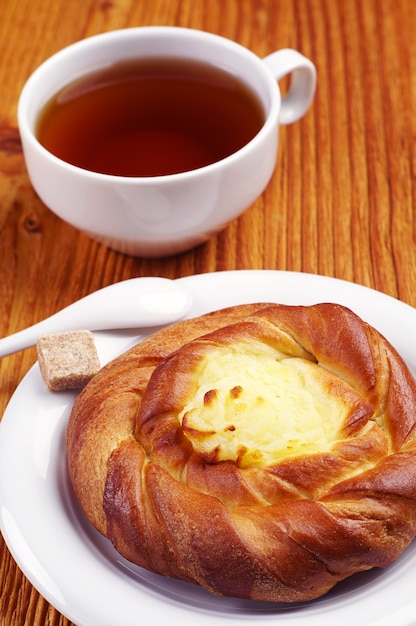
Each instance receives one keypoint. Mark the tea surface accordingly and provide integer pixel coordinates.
(150, 117)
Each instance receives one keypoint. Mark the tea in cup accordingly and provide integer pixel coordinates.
(152, 139)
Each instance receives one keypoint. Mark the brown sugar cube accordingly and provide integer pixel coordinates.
(67, 360)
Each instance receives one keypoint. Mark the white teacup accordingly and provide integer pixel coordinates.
(162, 215)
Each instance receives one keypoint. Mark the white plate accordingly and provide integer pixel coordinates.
(79, 572)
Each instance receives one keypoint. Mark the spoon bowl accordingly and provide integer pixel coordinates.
(133, 303)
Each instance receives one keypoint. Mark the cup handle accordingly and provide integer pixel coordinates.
(302, 86)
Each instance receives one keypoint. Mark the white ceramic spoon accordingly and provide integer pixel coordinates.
(134, 303)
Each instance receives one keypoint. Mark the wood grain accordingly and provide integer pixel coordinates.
(341, 202)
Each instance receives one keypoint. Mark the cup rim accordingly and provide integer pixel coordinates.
(271, 118)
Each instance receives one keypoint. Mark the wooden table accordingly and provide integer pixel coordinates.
(341, 202)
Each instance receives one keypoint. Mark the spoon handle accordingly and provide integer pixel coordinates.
(134, 303)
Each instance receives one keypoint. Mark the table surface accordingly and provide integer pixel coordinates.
(340, 203)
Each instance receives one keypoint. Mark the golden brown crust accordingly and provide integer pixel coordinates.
(285, 532)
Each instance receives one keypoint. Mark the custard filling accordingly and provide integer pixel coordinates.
(255, 408)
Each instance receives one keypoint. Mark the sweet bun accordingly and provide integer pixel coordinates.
(262, 451)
